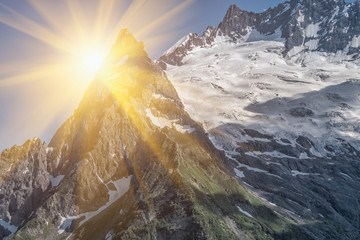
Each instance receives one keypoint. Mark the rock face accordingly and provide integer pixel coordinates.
(329, 27)
(25, 183)
(130, 164)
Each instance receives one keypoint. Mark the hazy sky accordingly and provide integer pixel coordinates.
(39, 85)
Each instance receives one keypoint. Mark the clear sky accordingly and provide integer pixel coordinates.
(45, 47)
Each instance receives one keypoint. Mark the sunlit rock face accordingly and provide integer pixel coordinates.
(24, 183)
(278, 92)
(130, 164)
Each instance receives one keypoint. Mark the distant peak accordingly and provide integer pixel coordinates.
(233, 6)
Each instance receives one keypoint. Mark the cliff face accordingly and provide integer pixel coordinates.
(25, 182)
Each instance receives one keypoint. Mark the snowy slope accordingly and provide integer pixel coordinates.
(291, 131)
(251, 84)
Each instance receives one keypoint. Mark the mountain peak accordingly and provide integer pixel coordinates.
(126, 39)
(126, 46)
(324, 26)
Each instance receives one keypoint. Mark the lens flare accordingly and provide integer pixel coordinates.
(88, 62)
(66, 43)
(92, 61)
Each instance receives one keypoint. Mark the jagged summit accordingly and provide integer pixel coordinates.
(326, 28)
(127, 44)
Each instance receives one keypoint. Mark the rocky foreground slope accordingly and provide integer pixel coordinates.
(130, 164)
(278, 92)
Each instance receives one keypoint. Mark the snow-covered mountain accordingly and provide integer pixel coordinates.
(255, 135)
(279, 93)
(310, 29)
(130, 164)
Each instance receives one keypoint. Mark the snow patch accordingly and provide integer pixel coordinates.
(162, 122)
(122, 186)
(244, 212)
(239, 173)
(255, 35)
(65, 223)
(176, 45)
(122, 61)
(311, 31)
(355, 42)
(162, 97)
(55, 181)
(8, 170)
(295, 50)
(108, 236)
(7, 225)
(301, 17)
(295, 173)
(49, 149)
(312, 44)
(257, 170)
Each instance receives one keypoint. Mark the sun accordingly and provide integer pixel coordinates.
(87, 62)
(93, 60)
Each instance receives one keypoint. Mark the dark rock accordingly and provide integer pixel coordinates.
(301, 112)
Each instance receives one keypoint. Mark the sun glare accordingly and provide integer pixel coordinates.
(93, 61)
(88, 63)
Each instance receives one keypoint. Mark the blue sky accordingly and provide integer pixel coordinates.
(37, 107)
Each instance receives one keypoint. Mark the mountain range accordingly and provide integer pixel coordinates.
(250, 131)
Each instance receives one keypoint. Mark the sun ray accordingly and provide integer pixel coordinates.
(128, 16)
(143, 32)
(33, 74)
(29, 27)
(157, 42)
(103, 18)
(47, 14)
(76, 20)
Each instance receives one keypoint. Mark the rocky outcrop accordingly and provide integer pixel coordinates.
(25, 183)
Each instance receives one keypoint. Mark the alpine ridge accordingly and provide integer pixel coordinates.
(329, 28)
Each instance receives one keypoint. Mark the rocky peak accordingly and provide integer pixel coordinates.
(304, 25)
(237, 22)
(126, 45)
